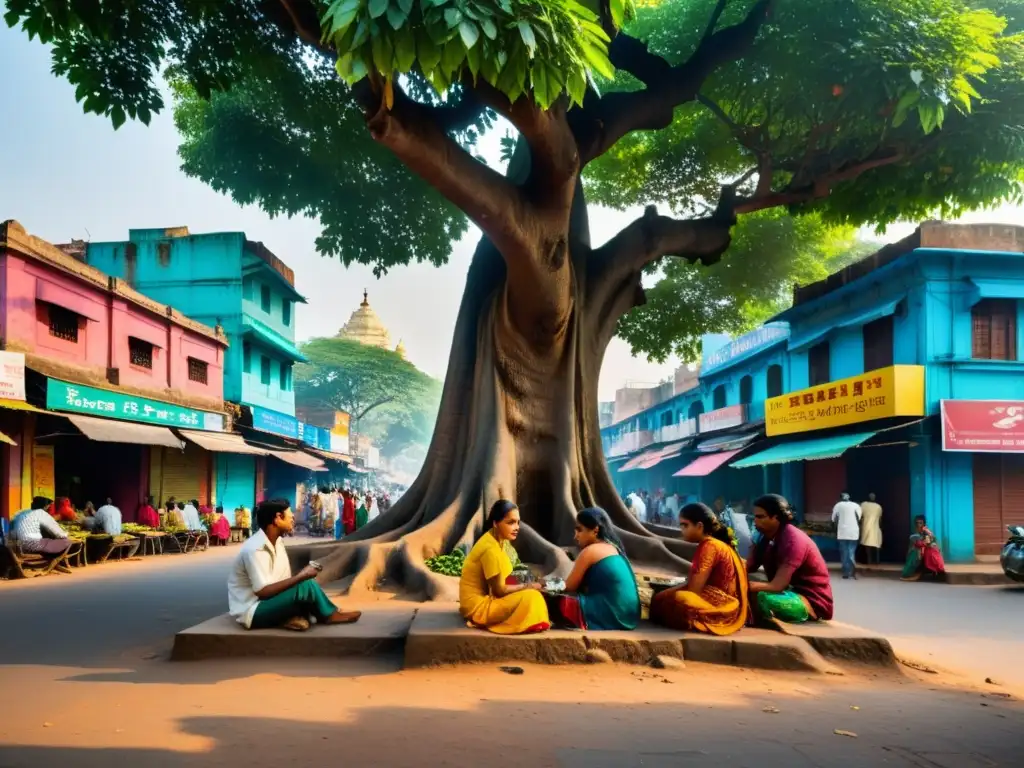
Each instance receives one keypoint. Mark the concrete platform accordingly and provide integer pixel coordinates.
(380, 631)
(431, 634)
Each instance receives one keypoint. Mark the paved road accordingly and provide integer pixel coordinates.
(85, 653)
(97, 616)
(976, 630)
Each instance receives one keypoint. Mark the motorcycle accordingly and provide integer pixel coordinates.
(1012, 556)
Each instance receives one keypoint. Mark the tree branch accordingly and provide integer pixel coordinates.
(653, 236)
(305, 23)
(554, 158)
(820, 187)
(410, 131)
(608, 119)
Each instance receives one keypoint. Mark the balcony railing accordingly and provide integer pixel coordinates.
(630, 442)
(672, 432)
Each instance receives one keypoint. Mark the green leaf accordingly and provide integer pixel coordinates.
(383, 54)
(490, 30)
(427, 52)
(452, 17)
(406, 6)
(377, 8)
(473, 56)
(453, 55)
(469, 33)
(397, 17)
(117, 116)
(405, 49)
(526, 32)
(362, 34)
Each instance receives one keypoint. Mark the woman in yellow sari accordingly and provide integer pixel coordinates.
(714, 599)
(486, 599)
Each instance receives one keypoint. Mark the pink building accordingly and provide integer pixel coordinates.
(95, 349)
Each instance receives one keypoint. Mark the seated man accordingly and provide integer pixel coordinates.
(37, 533)
(262, 593)
(108, 520)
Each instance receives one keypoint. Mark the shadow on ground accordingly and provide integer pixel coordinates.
(946, 729)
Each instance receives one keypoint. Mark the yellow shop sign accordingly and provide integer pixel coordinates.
(894, 391)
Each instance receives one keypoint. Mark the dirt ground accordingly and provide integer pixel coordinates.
(367, 711)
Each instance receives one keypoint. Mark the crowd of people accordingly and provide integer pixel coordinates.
(339, 512)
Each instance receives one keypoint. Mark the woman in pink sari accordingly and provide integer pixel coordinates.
(220, 529)
(924, 555)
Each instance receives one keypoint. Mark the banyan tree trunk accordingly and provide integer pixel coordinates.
(518, 420)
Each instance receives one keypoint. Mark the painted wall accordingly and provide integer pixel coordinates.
(214, 279)
(106, 322)
(930, 293)
(235, 482)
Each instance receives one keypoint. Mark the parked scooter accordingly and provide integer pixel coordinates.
(1012, 557)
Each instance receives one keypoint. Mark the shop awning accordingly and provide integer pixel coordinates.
(299, 459)
(669, 452)
(328, 456)
(705, 465)
(5, 439)
(110, 431)
(805, 450)
(727, 443)
(637, 460)
(222, 442)
(19, 405)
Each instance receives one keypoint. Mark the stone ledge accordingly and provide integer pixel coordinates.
(432, 635)
(222, 637)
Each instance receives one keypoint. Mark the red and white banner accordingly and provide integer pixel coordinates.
(983, 426)
(723, 418)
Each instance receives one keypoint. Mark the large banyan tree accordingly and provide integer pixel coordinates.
(365, 113)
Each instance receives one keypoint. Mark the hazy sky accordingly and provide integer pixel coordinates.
(67, 175)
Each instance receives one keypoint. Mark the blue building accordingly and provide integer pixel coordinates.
(226, 280)
(900, 376)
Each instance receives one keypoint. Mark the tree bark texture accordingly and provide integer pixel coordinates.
(518, 420)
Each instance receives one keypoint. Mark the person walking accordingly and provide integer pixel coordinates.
(871, 529)
(846, 516)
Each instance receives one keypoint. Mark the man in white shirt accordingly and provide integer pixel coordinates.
(37, 532)
(846, 517)
(108, 520)
(636, 505)
(262, 593)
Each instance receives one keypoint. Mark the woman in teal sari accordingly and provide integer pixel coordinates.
(601, 590)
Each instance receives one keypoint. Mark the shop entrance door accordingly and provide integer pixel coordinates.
(998, 499)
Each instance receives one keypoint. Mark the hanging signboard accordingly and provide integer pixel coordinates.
(983, 426)
(76, 398)
(12, 376)
(274, 422)
(894, 391)
(43, 471)
(722, 418)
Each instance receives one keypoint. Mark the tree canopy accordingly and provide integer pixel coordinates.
(360, 379)
(850, 112)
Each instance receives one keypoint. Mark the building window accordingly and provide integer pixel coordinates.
(819, 364)
(286, 312)
(878, 344)
(746, 390)
(994, 330)
(666, 419)
(774, 380)
(264, 369)
(63, 323)
(285, 377)
(140, 353)
(198, 370)
(265, 298)
(718, 397)
(696, 409)
(246, 357)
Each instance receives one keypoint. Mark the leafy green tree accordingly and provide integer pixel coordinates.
(359, 379)
(769, 253)
(859, 111)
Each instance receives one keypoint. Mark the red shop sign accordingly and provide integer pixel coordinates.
(993, 426)
(723, 418)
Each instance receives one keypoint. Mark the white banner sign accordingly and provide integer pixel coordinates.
(12, 376)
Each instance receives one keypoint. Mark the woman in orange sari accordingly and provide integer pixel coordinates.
(714, 599)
